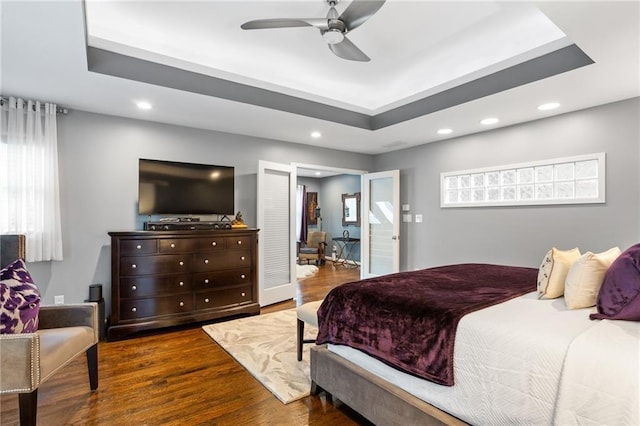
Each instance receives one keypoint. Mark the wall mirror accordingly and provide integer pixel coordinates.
(351, 209)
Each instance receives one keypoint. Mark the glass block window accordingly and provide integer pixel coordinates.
(570, 180)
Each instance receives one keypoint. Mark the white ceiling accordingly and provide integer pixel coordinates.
(418, 48)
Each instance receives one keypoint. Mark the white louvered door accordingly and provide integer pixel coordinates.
(276, 250)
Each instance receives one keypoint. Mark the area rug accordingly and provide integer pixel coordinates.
(266, 346)
(304, 271)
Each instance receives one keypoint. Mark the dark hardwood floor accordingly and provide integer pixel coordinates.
(180, 377)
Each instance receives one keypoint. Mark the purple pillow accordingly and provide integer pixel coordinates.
(19, 300)
(619, 296)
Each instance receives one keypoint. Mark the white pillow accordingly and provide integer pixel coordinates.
(553, 272)
(586, 276)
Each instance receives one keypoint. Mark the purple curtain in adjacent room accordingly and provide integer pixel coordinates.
(303, 228)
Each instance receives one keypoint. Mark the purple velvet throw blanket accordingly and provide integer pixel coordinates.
(408, 320)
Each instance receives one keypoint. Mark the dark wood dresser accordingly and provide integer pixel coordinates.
(167, 278)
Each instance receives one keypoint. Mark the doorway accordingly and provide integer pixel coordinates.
(325, 187)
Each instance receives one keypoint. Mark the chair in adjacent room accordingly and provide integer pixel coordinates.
(313, 248)
(29, 359)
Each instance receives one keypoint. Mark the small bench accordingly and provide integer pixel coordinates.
(307, 313)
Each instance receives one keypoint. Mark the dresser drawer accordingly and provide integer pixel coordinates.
(146, 286)
(185, 245)
(224, 297)
(227, 259)
(207, 280)
(238, 242)
(135, 247)
(155, 306)
(147, 265)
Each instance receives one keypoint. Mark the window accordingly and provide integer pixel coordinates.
(570, 180)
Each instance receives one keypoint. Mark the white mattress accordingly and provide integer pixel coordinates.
(508, 363)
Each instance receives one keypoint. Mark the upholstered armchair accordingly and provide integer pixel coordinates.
(313, 248)
(29, 359)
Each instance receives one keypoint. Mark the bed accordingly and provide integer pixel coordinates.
(520, 360)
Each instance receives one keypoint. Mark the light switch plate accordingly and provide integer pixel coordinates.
(406, 218)
(406, 207)
(418, 218)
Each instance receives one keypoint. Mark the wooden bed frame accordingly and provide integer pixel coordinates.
(377, 400)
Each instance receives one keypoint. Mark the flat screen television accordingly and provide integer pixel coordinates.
(173, 188)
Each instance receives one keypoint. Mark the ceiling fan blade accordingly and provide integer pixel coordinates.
(347, 50)
(260, 24)
(359, 11)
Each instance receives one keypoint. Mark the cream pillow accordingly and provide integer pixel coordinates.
(586, 276)
(553, 272)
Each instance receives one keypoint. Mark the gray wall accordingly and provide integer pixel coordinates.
(98, 160)
(522, 235)
(332, 189)
(98, 157)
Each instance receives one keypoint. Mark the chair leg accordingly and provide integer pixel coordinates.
(300, 338)
(28, 404)
(92, 365)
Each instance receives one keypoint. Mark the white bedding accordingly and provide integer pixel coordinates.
(601, 378)
(508, 363)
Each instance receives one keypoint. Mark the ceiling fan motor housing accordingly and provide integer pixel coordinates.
(335, 33)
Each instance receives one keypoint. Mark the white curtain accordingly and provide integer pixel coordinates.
(29, 192)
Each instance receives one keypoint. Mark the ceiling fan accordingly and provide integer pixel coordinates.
(333, 28)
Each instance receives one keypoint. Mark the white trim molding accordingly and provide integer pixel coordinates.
(569, 180)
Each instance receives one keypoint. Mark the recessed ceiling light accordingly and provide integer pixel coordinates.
(316, 135)
(444, 131)
(548, 106)
(144, 105)
(318, 173)
(488, 121)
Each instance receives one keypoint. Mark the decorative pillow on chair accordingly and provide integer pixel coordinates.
(553, 272)
(586, 276)
(619, 296)
(19, 300)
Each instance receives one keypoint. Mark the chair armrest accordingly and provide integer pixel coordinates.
(19, 362)
(72, 315)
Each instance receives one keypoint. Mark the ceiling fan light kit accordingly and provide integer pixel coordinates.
(333, 28)
(333, 36)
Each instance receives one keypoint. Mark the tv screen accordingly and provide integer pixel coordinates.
(169, 187)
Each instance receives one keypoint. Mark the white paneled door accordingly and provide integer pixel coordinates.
(380, 223)
(276, 248)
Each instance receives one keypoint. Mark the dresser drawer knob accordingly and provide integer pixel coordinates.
(242, 258)
(213, 243)
(134, 309)
(139, 247)
(243, 294)
(181, 303)
(134, 288)
(243, 276)
(206, 300)
(173, 245)
(134, 266)
(206, 281)
(206, 261)
(181, 283)
(239, 242)
(181, 263)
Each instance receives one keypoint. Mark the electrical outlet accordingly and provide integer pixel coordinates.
(406, 218)
(58, 300)
(418, 218)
